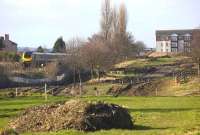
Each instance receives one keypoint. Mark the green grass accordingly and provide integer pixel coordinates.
(152, 115)
(123, 75)
(101, 87)
(139, 63)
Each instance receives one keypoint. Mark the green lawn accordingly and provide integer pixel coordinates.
(139, 63)
(153, 115)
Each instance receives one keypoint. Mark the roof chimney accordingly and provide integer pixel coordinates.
(6, 37)
(2, 38)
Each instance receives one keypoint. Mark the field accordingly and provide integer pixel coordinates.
(152, 115)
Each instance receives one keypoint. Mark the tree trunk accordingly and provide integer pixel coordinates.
(99, 76)
(92, 72)
(74, 77)
(80, 82)
(198, 67)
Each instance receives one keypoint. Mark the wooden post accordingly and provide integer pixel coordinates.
(52, 92)
(156, 91)
(16, 92)
(176, 78)
(131, 82)
(45, 91)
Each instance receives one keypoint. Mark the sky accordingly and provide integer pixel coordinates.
(31, 23)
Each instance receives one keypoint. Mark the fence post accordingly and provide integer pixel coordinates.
(45, 91)
(16, 92)
(131, 82)
(52, 92)
(156, 92)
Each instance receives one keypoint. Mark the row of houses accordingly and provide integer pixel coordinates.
(7, 44)
(174, 40)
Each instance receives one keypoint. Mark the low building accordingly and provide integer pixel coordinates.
(174, 40)
(8, 45)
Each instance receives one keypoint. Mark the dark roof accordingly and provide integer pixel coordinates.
(13, 42)
(169, 32)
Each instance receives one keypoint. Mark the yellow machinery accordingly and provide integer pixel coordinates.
(26, 58)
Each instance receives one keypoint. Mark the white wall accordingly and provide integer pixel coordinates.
(163, 46)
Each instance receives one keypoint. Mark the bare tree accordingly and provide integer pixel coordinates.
(139, 46)
(115, 22)
(74, 60)
(122, 19)
(96, 55)
(106, 19)
(121, 40)
(51, 69)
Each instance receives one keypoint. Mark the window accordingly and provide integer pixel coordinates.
(187, 38)
(186, 44)
(167, 50)
(27, 54)
(174, 44)
(180, 37)
(158, 38)
(161, 44)
(161, 50)
(167, 44)
(174, 38)
(174, 49)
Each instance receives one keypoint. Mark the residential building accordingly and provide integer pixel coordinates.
(174, 40)
(8, 45)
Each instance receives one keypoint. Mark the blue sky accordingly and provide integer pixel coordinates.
(40, 22)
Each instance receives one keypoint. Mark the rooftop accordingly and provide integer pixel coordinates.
(179, 32)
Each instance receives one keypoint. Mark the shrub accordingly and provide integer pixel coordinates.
(9, 56)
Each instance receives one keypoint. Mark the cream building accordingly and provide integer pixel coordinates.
(173, 40)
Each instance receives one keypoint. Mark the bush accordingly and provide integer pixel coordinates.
(11, 95)
(9, 56)
(51, 69)
(3, 76)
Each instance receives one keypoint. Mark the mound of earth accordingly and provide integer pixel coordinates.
(74, 114)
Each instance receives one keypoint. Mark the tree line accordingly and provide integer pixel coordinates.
(97, 54)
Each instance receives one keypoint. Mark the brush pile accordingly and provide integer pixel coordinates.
(74, 114)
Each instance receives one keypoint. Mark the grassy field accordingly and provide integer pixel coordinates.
(152, 115)
(139, 63)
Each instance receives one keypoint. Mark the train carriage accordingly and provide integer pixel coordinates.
(37, 58)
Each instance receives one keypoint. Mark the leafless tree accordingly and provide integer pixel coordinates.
(74, 60)
(106, 19)
(139, 46)
(96, 55)
(121, 40)
(115, 22)
(122, 19)
(51, 69)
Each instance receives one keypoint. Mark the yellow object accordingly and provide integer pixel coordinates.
(26, 57)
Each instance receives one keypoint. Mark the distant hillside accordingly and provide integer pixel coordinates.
(24, 49)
